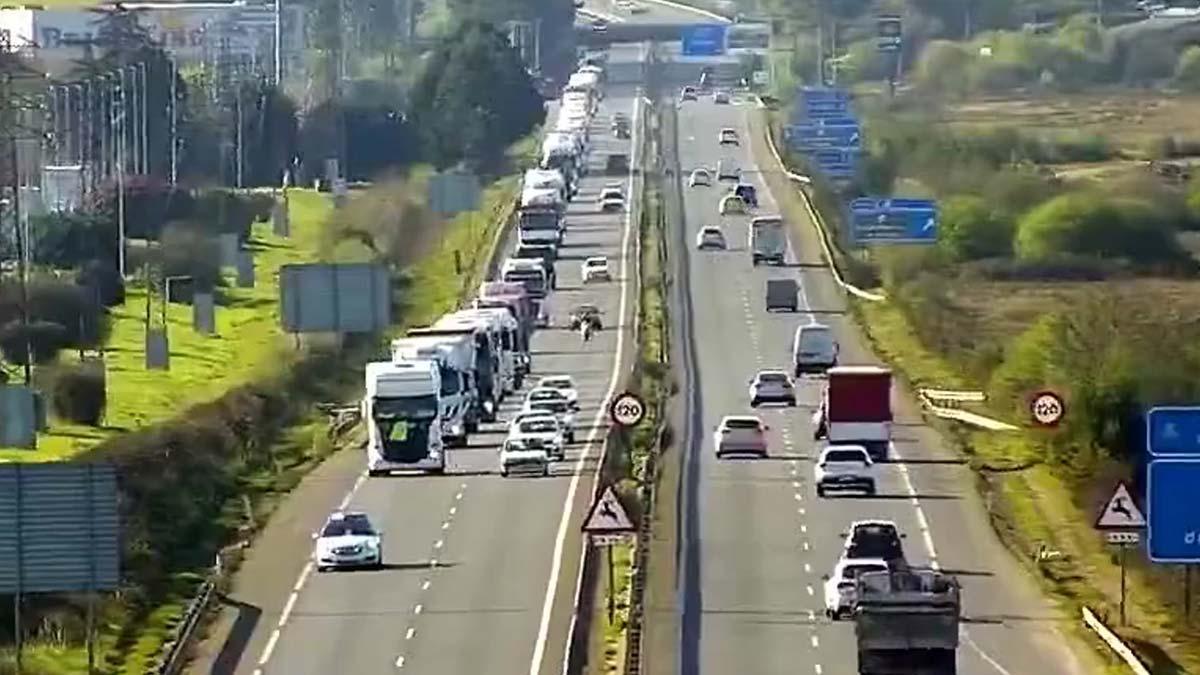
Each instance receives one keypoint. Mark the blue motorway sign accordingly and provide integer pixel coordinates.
(835, 163)
(893, 220)
(1173, 520)
(1173, 431)
(820, 134)
(823, 94)
(704, 40)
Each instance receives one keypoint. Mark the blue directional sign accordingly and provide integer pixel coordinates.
(824, 94)
(1173, 431)
(704, 40)
(894, 221)
(1173, 521)
(841, 133)
(890, 33)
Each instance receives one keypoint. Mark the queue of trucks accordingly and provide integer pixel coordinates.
(445, 379)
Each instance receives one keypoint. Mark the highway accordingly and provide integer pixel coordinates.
(654, 13)
(756, 539)
(480, 571)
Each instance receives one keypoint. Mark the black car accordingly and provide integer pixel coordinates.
(875, 539)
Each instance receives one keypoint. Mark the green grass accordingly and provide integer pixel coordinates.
(247, 344)
(614, 631)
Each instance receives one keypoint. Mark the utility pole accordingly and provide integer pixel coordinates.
(174, 141)
(278, 43)
(144, 144)
(11, 119)
(119, 124)
(238, 137)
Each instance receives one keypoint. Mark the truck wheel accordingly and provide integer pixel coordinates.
(754, 403)
(376, 473)
(820, 491)
(870, 489)
(472, 428)
(791, 403)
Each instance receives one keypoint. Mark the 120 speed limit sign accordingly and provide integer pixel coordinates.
(1047, 408)
(627, 410)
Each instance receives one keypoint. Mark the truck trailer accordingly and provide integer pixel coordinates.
(402, 408)
(906, 622)
(856, 409)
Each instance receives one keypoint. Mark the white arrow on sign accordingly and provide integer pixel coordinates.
(929, 225)
(1120, 512)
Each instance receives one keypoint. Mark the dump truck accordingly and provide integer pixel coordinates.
(906, 622)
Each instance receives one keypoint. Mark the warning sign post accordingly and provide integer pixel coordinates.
(608, 523)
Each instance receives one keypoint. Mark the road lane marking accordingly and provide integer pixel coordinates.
(408, 635)
(439, 544)
(560, 538)
(810, 590)
(425, 585)
(817, 668)
(418, 608)
(453, 510)
(807, 568)
(399, 661)
(287, 608)
(446, 525)
(815, 642)
(308, 568)
(271, 642)
(795, 483)
(805, 545)
(803, 529)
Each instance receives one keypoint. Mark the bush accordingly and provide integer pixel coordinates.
(970, 229)
(79, 393)
(69, 239)
(1187, 69)
(44, 339)
(69, 306)
(224, 212)
(102, 283)
(1090, 224)
(149, 203)
(185, 252)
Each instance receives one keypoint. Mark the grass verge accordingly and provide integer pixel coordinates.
(245, 347)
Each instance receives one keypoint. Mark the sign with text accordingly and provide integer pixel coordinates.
(893, 221)
(704, 40)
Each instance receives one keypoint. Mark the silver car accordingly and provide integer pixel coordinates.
(741, 435)
(772, 386)
(348, 540)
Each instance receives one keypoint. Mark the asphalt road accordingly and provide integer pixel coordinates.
(654, 12)
(480, 570)
(757, 539)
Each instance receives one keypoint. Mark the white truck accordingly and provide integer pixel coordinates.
(402, 409)
(476, 348)
(488, 324)
(456, 395)
(768, 240)
(506, 328)
(547, 179)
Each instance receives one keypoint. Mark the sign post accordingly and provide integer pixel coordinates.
(608, 523)
(890, 40)
(1121, 521)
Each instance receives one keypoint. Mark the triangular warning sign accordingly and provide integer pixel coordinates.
(1120, 511)
(607, 515)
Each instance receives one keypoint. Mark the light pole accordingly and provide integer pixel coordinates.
(238, 136)
(120, 175)
(144, 144)
(278, 43)
(174, 140)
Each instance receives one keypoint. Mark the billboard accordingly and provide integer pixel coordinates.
(704, 40)
(335, 298)
(59, 528)
(453, 192)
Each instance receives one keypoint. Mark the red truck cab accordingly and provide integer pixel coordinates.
(856, 408)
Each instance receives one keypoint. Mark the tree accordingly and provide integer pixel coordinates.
(969, 229)
(270, 133)
(1092, 225)
(474, 98)
(1187, 69)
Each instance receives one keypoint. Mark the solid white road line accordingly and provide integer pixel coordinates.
(564, 523)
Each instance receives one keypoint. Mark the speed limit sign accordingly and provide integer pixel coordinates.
(627, 410)
(1047, 408)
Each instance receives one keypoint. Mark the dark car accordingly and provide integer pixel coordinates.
(747, 193)
(875, 539)
(616, 165)
(585, 312)
(782, 294)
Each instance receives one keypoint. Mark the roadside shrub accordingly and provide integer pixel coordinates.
(45, 339)
(1187, 69)
(1053, 268)
(971, 229)
(79, 393)
(149, 203)
(1090, 224)
(101, 283)
(223, 212)
(69, 239)
(186, 252)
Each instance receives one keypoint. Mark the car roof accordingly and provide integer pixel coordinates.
(540, 416)
(846, 562)
(745, 418)
(711, 228)
(728, 129)
(342, 516)
(699, 171)
(847, 446)
(564, 378)
(540, 390)
(771, 371)
(596, 258)
(884, 524)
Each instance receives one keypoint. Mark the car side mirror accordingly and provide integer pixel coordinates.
(316, 536)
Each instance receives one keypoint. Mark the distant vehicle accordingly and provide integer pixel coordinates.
(710, 237)
(637, 8)
(768, 240)
(530, 272)
(599, 25)
(560, 408)
(611, 199)
(772, 386)
(747, 193)
(546, 253)
(731, 205)
(620, 125)
(616, 165)
(814, 349)
(844, 467)
(563, 383)
(348, 540)
(727, 170)
(875, 539)
(687, 94)
(856, 409)
(841, 590)
(924, 606)
(740, 435)
(782, 294)
(720, 96)
(727, 136)
(595, 269)
(700, 177)
(524, 456)
(582, 312)
(540, 427)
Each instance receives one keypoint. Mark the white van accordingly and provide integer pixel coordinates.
(814, 349)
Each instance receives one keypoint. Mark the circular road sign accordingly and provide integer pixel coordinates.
(1047, 408)
(627, 410)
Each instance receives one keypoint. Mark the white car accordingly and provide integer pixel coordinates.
(560, 409)
(524, 456)
(348, 540)
(562, 383)
(614, 204)
(844, 467)
(740, 435)
(541, 427)
(727, 170)
(595, 269)
(710, 236)
(700, 178)
(727, 136)
(841, 591)
(772, 386)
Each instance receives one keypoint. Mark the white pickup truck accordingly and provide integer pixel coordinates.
(844, 467)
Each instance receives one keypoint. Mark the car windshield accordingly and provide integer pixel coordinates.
(537, 426)
(846, 456)
(741, 424)
(816, 340)
(554, 406)
(547, 394)
(557, 383)
(358, 527)
(773, 378)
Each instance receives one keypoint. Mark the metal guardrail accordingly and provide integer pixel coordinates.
(1114, 642)
(944, 403)
(175, 654)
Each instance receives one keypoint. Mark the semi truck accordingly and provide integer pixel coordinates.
(480, 353)
(906, 622)
(856, 409)
(768, 241)
(540, 223)
(504, 366)
(513, 298)
(402, 408)
(456, 393)
(506, 328)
